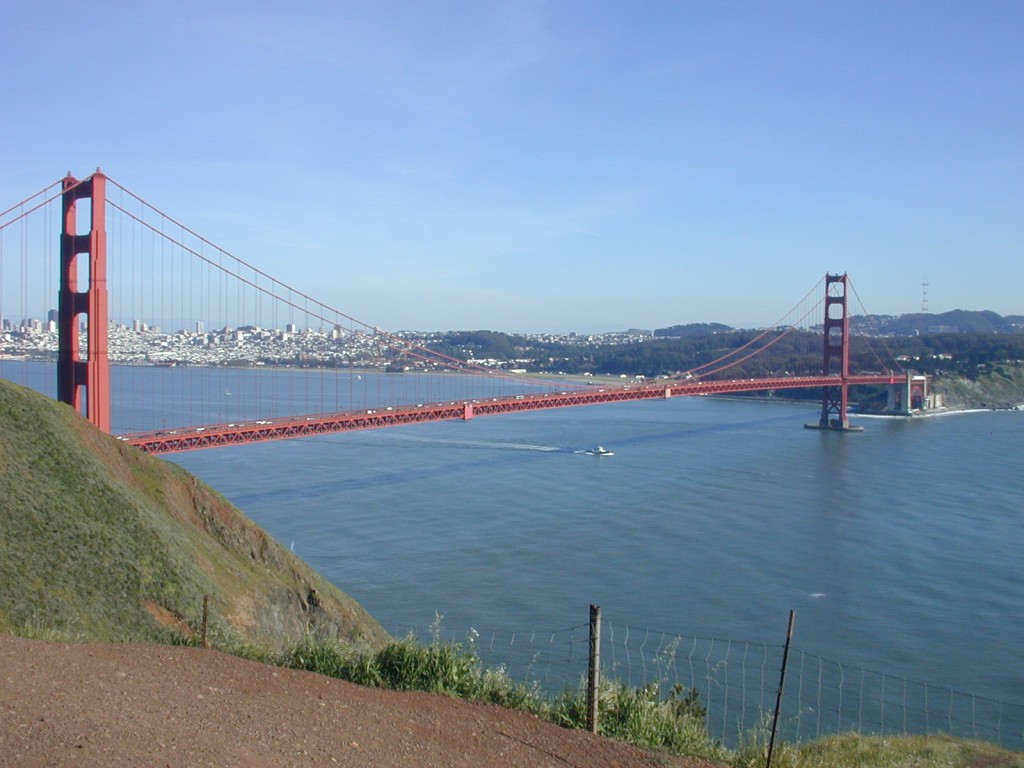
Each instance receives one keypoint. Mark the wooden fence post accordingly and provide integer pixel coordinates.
(206, 614)
(782, 682)
(594, 668)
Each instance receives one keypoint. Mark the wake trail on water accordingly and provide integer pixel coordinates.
(496, 445)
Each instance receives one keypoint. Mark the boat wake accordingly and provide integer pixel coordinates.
(501, 446)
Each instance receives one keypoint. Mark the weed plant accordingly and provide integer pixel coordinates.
(406, 665)
(641, 716)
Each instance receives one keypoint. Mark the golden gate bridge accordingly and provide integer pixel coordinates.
(117, 256)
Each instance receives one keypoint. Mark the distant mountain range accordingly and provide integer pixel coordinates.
(921, 323)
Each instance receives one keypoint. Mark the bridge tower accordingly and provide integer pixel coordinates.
(836, 359)
(83, 377)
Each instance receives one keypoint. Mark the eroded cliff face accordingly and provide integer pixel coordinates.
(288, 599)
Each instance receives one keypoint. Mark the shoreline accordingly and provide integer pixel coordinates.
(936, 413)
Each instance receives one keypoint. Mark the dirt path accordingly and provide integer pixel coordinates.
(140, 705)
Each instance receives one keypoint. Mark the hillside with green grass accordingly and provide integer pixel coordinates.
(993, 385)
(101, 542)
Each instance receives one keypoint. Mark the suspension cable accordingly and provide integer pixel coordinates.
(871, 347)
(768, 330)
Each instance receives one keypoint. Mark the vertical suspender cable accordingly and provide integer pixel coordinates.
(258, 321)
(274, 380)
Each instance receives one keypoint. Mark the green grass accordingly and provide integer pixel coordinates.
(994, 385)
(406, 665)
(642, 716)
(102, 542)
(72, 536)
(857, 751)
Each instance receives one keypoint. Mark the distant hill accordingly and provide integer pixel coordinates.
(955, 321)
(106, 543)
(691, 330)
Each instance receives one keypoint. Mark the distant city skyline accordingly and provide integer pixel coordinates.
(557, 168)
(860, 324)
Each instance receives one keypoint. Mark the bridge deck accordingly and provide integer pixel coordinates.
(215, 435)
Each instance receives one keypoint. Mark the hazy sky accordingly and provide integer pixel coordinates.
(562, 166)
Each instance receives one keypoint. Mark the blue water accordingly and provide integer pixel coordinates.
(899, 548)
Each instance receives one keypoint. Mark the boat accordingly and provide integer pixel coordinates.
(599, 451)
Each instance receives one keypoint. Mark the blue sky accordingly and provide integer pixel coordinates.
(549, 166)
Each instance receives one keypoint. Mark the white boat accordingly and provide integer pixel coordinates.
(599, 451)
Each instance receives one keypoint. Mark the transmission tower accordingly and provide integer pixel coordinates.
(924, 297)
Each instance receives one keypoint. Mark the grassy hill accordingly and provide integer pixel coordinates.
(997, 385)
(102, 542)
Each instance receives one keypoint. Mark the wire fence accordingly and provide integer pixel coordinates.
(738, 681)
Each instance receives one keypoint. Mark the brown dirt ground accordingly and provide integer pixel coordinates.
(143, 705)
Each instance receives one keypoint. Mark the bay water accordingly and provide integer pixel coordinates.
(899, 548)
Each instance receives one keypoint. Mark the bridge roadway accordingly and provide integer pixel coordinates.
(283, 428)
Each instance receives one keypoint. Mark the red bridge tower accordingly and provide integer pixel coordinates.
(83, 380)
(836, 361)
